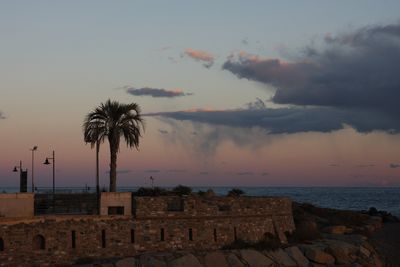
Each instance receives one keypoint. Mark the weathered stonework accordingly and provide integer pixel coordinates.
(156, 224)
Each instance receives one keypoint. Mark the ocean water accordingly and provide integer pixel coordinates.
(349, 198)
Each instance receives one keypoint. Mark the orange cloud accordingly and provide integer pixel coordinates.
(200, 55)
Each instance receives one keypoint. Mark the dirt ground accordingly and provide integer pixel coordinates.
(387, 243)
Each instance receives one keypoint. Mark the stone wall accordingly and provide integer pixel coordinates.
(16, 205)
(158, 224)
(112, 202)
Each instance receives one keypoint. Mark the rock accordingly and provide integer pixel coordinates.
(281, 257)
(377, 261)
(352, 239)
(337, 229)
(127, 262)
(186, 261)
(215, 259)
(234, 261)
(255, 258)
(297, 256)
(317, 255)
(153, 262)
(365, 252)
(343, 253)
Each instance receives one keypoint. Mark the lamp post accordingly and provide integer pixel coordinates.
(22, 186)
(46, 162)
(33, 158)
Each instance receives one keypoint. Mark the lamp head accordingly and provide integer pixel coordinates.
(34, 148)
(15, 169)
(46, 162)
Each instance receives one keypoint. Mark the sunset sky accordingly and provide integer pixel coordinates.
(237, 93)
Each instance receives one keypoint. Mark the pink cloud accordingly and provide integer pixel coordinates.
(200, 55)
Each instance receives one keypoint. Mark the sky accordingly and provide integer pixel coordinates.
(235, 93)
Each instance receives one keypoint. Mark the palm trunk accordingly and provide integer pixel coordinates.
(97, 176)
(113, 167)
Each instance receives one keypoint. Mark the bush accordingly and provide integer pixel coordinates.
(235, 192)
(201, 193)
(149, 192)
(270, 242)
(181, 190)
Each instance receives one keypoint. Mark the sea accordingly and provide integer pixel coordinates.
(347, 198)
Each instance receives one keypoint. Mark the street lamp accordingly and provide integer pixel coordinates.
(33, 158)
(22, 177)
(46, 162)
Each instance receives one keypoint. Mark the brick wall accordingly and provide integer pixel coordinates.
(191, 222)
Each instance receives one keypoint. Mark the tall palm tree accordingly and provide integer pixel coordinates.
(113, 120)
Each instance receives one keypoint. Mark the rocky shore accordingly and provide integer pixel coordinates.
(323, 238)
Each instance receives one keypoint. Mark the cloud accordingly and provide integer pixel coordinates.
(291, 120)
(245, 173)
(203, 173)
(264, 174)
(202, 56)
(152, 171)
(162, 131)
(2, 116)
(353, 70)
(177, 170)
(365, 165)
(155, 92)
(394, 165)
(121, 171)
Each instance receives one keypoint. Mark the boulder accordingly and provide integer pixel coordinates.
(127, 262)
(343, 253)
(255, 258)
(365, 252)
(317, 255)
(153, 262)
(281, 257)
(337, 229)
(185, 261)
(234, 261)
(215, 259)
(297, 256)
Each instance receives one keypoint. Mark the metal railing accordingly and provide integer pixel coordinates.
(66, 203)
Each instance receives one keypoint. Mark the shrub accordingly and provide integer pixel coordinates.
(235, 192)
(270, 242)
(147, 191)
(181, 190)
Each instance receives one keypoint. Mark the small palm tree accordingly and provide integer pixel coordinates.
(113, 120)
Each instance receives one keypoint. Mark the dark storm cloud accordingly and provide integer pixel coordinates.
(353, 70)
(292, 120)
(394, 165)
(155, 92)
